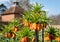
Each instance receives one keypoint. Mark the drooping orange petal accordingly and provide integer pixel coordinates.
(58, 39)
(33, 26)
(38, 27)
(47, 38)
(13, 35)
(25, 22)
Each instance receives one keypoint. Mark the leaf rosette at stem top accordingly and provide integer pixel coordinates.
(36, 14)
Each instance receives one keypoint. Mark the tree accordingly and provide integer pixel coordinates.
(55, 20)
(23, 3)
(2, 8)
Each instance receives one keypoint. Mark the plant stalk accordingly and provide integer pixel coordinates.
(42, 34)
(37, 35)
(51, 40)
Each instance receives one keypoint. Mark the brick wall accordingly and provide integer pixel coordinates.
(7, 18)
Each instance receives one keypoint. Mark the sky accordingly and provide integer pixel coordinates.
(6, 3)
(51, 6)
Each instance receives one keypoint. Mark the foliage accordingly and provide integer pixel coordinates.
(7, 28)
(25, 31)
(15, 22)
(2, 8)
(58, 33)
(37, 8)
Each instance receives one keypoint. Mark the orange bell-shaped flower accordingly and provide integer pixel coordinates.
(33, 26)
(38, 27)
(25, 39)
(58, 39)
(25, 22)
(12, 35)
(8, 35)
(43, 25)
(33, 40)
(15, 29)
(46, 38)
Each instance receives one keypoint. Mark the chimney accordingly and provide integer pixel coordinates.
(16, 2)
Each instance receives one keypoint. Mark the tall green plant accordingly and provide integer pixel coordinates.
(36, 14)
(51, 30)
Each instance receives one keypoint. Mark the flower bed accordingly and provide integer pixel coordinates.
(34, 20)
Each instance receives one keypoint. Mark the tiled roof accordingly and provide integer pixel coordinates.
(13, 9)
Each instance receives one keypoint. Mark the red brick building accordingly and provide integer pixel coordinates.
(15, 11)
